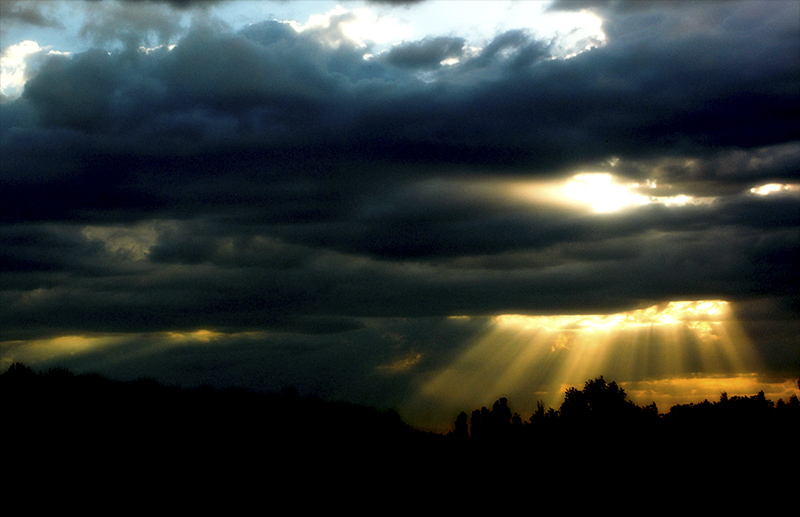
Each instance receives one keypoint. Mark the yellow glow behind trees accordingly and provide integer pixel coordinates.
(541, 356)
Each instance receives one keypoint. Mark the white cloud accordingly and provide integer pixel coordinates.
(360, 26)
(14, 66)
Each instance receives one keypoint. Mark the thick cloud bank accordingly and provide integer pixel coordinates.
(270, 179)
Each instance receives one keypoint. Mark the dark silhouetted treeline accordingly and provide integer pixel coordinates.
(58, 417)
(599, 421)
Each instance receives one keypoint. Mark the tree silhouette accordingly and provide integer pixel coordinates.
(461, 426)
(601, 404)
(475, 424)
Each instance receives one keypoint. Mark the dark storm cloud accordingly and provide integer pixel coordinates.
(27, 12)
(178, 4)
(428, 53)
(197, 274)
(281, 88)
(184, 4)
(266, 179)
(453, 228)
(132, 23)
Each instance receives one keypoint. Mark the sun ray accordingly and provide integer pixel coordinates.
(540, 356)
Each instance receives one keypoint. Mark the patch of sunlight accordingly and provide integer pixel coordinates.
(401, 364)
(359, 26)
(113, 347)
(774, 188)
(14, 71)
(127, 242)
(603, 193)
(183, 337)
(36, 351)
(202, 335)
(149, 50)
(598, 192)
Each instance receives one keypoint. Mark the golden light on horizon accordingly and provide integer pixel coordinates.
(538, 356)
(113, 346)
(52, 348)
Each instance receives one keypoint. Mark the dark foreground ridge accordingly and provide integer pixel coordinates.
(58, 417)
(90, 413)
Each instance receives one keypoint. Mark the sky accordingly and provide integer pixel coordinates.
(422, 206)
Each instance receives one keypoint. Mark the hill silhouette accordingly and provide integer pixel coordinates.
(68, 439)
(139, 417)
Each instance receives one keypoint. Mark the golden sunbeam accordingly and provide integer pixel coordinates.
(538, 357)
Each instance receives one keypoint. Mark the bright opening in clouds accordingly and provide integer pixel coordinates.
(689, 313)
(359, 26)
(604, 193)
(774, 188)
(13, 66)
